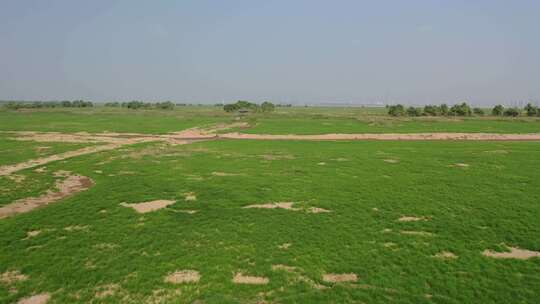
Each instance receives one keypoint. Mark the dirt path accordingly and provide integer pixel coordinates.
(113, 141)
(71, 185)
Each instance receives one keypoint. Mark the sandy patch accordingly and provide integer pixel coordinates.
(497, 152)
(285, 246)
(277, 156)
(107, 291)
(341, 159)
(76, 228)
(161, 296)
(69, 186)
(445, 255)
(391, 161)
(41, 298)
(286, 206)
(190, 196)
(149, 206)
(411, 219)
(340, 277)
(240, 278)
(418, 233)
(41, 170)
(321, 164)
(282, 267)
(515, 253)
(317, 210)
(461, 165)
(278, 205)
(33, 233)
(17, 178)
(389, 244)
(225, 174)
(183, 276)
(13, 276)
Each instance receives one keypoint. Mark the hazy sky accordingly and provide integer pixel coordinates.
(483, 51)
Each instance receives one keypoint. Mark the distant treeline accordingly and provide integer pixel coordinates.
(243, 105)
(15, 105)
(462, 109)
(135, 105)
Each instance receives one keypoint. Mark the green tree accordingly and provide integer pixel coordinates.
(412, 111)
(396, 110)
(531, 110)
(497, 110)
(478, 111)
(512, 112)
(267, 107)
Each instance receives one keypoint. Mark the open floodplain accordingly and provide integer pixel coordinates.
(151, 206)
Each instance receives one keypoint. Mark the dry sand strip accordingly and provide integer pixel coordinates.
(7, 170)
(391, 136)
(65, 188)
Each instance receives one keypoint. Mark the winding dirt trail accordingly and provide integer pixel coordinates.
(111, 141)
(71, 185)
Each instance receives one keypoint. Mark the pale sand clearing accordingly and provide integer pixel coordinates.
(12, 276)
(41, 298)
(149, 206)
(183, 276)
(515, 253)
(71, 185)
(445, 255)
(240, 278)
(339, 277)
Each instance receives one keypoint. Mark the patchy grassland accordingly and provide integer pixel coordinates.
(466, 196)
(295, 120)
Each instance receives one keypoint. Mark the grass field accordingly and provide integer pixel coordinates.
(453, 197)
(311, 120)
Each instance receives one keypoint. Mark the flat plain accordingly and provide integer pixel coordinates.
(217, 220)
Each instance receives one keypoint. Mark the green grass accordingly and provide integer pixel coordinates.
(325, 124)
(493, 201)
(103, 119)
(295, 120)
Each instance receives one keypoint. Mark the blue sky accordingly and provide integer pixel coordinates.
(412, 51)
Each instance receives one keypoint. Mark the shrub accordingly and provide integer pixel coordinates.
(531, 110)
(512, 112)
(432, 110)
(267, 107)
(497, 110)
(396, 110)
(478, 111)
(412, 111)
(462, 109)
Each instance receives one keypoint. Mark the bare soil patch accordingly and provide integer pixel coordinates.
(190, 196)
(225, 174)
(12, 276)
(391, 161)
(461, 165)
(33, 233)
(107, 291)
(445, 255)
(69, 186)
(149, 206)
(41, 298)
(411, 219)
(340, 277)
(283, 268)
(317, 210)
(183, 276)
(285, 246)
(240, 278)
(418, 233)
(515, 253)
(278, 205)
